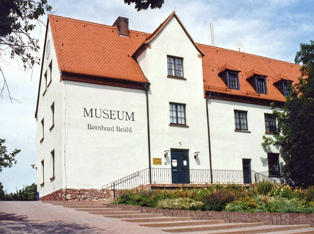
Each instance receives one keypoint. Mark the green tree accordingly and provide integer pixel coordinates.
(296, 123)
(17, 20)
(145, 4)
(7, 159)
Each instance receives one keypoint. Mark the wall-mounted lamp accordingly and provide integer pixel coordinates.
(166, 151)
(196, 153)
(33, 166)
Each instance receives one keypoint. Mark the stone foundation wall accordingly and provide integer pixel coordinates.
(230, 217)
(79, 195)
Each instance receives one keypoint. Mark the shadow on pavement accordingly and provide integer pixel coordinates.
(11, 223)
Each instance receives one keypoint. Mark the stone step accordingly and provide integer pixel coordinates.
(197, 228)
(84, 206)
(118, 212)
(98, 209)
(298, 231)
(263, 229)
(130, 216)
(182, 223)
(76, 203)
(156, 219)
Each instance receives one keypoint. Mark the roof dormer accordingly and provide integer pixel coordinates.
(283, 84)
(230, 76)
(257, 80)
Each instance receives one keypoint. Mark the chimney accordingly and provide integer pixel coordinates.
(122, 25)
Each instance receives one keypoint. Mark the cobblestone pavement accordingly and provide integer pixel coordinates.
(38, 217)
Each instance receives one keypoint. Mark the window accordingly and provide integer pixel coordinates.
(177, 113)
(273, 164)
(53, 164)
(232, 80)
(50, 73)
(270, 123)
(46, 82)
(43, 172)
(286, 86)
(175, 66)
(52, 108)
(240, 118)
(42, 129)
(260, 84)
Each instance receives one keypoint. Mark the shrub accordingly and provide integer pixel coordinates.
(179, 204)
(265, 187)
(217, 201)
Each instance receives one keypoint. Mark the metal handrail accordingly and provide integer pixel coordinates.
(197, 176)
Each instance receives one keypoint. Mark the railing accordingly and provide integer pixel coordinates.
(197, 176)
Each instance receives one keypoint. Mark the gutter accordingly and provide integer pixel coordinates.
(209, 142)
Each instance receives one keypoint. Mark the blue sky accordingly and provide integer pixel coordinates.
(270, 28)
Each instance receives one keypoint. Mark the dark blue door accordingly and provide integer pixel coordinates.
(180, 166)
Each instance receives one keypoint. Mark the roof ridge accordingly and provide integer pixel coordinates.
(249, 54)
(95, 24)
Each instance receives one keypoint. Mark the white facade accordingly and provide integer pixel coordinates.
(92, 134)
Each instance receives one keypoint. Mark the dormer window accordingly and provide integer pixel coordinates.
(283, 84)
(260, 84)
(258, 81)
(230, 76)
(286, 87)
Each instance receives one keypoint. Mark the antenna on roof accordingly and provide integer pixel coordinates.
(212, 33)
(239, 47)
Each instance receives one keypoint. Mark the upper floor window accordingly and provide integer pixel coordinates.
(286, 87)
(230, 78)
(240, 118)
(52, 108)
(42, 129)
(260, 83)
(175, 66)
(177, 113)
(270, 123)
(50, 73)
(273, 164)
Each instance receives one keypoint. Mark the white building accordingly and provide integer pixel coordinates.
(117, 105)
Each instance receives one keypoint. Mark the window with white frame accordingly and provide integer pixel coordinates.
(240, 118)
(175, 66)
(177, 113)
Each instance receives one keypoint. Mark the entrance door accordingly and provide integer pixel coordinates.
(180, 166)
(246, 163)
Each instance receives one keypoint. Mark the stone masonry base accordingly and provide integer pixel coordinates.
(79, 195)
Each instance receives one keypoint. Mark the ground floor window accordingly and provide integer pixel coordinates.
(273, 164)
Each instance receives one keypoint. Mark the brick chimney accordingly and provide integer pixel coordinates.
(122, 25)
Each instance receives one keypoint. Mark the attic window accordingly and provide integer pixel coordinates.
(231, 78)
(260, 83)
(283, 84)
(175, 67)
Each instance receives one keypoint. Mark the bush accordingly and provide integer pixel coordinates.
(265, 187)
(217, 201)
(180, 204)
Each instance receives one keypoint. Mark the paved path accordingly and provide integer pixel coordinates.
(38, 217)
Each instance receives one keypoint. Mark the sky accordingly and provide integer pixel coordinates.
(270, 28)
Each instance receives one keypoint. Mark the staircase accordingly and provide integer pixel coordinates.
(182, 224)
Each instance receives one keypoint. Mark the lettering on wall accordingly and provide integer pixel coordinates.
(109, 114)
(118, 115)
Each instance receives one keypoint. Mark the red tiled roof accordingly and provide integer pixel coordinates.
(215, 58)
(97, 50)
